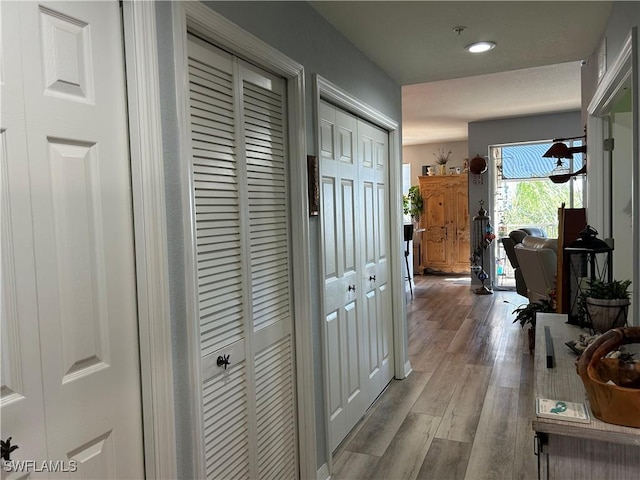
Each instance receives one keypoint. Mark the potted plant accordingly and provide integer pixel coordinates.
(607, 304)
(526, 315)
(442, 159)
(413, 204)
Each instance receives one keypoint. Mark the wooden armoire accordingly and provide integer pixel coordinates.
(446, 223)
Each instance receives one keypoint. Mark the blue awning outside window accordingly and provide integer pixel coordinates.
(526, 161)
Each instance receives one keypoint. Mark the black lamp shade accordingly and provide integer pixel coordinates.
(561, 150)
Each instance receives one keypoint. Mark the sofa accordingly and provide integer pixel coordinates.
(515, 237)
(538, 262)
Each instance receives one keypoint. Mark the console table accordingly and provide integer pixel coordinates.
(596, 450)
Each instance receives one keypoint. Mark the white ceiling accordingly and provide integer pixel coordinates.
(534, 69)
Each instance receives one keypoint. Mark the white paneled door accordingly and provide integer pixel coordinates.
(70, 369)
(358, 332)
(241, 267)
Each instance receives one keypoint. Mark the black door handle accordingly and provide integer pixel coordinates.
(223, 360)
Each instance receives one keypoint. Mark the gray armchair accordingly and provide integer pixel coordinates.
(538, 262)
(515, 237)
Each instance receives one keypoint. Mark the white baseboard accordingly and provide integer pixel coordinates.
(407, 369)
(323, 473)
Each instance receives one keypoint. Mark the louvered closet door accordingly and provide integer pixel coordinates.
(242, 253)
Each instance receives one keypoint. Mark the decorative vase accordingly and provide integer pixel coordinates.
(607, 314)
(442, 169)
(478, 165)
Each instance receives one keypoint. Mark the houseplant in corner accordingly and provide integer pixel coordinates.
(526, 315)
(413, 204)
(607, 304)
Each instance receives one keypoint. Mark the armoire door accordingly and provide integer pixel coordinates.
(357, 301)
(460, 226)
(70, 354)
(240, 231)
(436, 223)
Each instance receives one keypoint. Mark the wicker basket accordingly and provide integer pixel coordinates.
(612, 403)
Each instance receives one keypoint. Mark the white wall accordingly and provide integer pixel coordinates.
(419, 155)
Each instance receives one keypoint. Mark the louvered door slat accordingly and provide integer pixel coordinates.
(258, 109)
(259, 158)
(204, 68)
(214, 112)
(274, 388)
(274, 279)
(211, 238)
(260, 221)
(215, 243)
(275, 430)
(265, 136)
(267, 317)
(225, 416)
(211, 130)
(212, 87)
(202, 104)
(262, 241)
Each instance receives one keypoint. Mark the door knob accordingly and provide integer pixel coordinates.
(351, 287)
(372, 278)
(223, 360)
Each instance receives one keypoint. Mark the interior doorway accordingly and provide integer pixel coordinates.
(613, 159)
(525, 197)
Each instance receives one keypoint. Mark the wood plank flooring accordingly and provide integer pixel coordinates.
(464, 412)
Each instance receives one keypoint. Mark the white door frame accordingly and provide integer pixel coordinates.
(150, 233)
(222, 32)
(325, 90)
(624, 66)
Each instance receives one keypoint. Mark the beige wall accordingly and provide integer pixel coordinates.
(419, 155)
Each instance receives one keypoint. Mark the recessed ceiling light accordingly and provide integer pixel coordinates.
(479, 47)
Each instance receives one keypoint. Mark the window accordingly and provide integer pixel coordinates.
(525, 197)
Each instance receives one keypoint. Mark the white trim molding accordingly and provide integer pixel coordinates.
(147, 171)
(323, 473)
(613, 80)
(200, 19)
(622, 72)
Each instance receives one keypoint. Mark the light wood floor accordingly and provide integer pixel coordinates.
(464, 412)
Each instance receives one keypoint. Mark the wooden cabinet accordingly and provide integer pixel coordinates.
(593, 450)
(445, 240)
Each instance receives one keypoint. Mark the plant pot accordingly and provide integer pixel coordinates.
(442, 169)
(531, 334)
(607, 314)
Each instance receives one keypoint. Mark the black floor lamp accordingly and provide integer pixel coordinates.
(408, 236)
